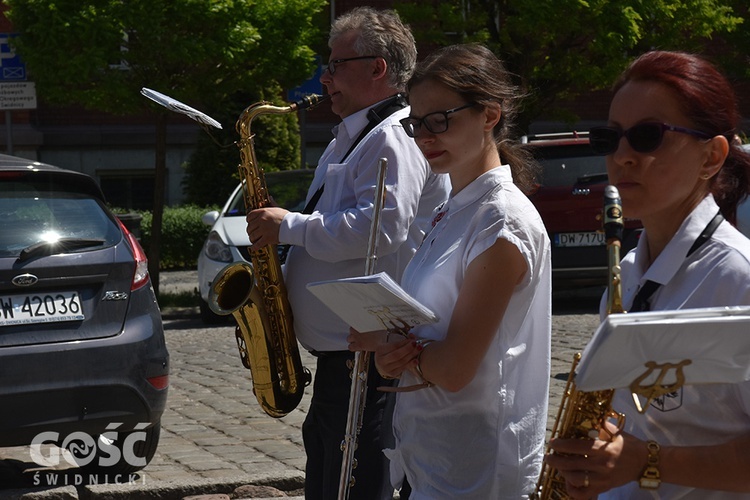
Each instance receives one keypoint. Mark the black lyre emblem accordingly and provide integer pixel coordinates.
(657, 388)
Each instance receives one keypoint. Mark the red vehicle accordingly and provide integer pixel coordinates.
(570, 199)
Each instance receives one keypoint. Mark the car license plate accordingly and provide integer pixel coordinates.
(40, 308)
(591, 239)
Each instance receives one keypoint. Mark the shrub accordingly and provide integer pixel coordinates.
(183, 234)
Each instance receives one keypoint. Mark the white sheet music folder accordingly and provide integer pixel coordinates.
(369, 303)
(716, 340)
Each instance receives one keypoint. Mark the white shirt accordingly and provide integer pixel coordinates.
(717, 274)
(485, 441)
(332, 242)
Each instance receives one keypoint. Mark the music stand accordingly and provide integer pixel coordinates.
(179, 107)
(656, 352)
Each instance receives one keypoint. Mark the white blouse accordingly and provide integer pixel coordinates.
(717, 274)
(486, 440)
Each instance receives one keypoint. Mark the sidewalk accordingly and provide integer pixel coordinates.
(215, 439)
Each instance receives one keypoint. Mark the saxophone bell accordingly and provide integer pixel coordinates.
(231, 288)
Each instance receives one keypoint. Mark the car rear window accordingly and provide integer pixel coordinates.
(569, 165)
(34, 212)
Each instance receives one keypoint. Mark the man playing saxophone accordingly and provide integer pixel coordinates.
(372, 56)
(669, 152)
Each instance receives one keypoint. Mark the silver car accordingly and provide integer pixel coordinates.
(83, 360)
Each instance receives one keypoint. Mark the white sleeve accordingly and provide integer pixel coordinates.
(339, 228)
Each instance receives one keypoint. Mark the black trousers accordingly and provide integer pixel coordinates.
(325, 426)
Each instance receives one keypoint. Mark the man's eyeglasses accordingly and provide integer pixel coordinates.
(436, 122)
(643, 138)
(331, 67)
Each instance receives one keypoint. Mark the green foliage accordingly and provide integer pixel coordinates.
(211, 171)
(101, 52)
(182, 237)
(734, 47)
(561, 48)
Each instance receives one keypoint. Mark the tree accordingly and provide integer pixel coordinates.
(211, 171)
(561, 48)
(100, 53)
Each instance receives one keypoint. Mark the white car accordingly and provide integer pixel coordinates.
(228, 241)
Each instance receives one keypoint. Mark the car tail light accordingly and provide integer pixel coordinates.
(160, 382)
(140, 276)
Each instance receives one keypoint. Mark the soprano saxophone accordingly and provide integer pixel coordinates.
(582, 414)
(256, 296)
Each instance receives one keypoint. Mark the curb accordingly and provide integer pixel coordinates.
(238, 489)
(180, 312)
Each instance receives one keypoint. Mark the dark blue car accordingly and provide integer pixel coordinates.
(83, 360)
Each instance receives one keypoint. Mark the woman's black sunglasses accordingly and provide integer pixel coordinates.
(643, 138)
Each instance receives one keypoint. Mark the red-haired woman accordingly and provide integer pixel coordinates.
(670, 151)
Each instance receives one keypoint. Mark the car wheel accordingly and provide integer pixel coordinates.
(125, 454)
(209, 317)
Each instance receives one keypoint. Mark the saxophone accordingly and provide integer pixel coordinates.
(256, 296)
(582, 414)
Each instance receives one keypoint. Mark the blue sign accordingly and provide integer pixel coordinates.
(12, 68)
(309, 86)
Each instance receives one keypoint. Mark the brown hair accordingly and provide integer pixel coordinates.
(477, 75)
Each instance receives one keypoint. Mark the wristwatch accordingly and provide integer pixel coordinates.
(650, 478)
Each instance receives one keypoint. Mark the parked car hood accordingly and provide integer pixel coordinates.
(233, 230)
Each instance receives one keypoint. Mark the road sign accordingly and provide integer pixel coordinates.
(309, 86)
(12, 68)
(17, 95)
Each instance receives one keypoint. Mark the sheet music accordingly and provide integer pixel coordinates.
(715, 340)
(175, 105)
(369, 303)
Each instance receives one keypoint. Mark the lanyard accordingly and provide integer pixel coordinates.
(640, 303)
(374, 117)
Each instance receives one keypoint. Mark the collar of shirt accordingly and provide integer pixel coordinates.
(477, 188)
(350, 128)
(673, 256)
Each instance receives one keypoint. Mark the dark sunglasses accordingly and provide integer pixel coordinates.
(643, 138)
(436, 122)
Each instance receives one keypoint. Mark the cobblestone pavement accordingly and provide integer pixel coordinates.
(216, 438)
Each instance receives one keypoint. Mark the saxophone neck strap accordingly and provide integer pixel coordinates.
(640, 303)
(376, 115)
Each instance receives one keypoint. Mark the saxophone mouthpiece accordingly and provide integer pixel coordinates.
(310, 101)
(613, 223)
